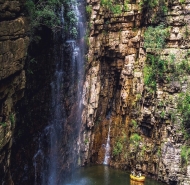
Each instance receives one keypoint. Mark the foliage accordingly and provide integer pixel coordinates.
(185, 153)
(112, 6)
(161, 103)
(182, 1)
(156, 9)
(3, 124)
(43, 13)
(149, 77)
(70, 18)
(162, 114)
(116, 9)
(176, 68)
(183, 106)
(149, 3)
(186, 33)
(89, 10)
(153, 70)
(155, 37)
(125, 6)
(117, 149)
(159, 152)
(184, 66)
(134, 123)
(12, 119)
(86, 141)
(184, 132)
(106, 3)
(135, 138)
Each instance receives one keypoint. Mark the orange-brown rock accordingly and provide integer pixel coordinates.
(123, 100)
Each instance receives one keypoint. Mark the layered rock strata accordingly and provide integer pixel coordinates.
(13, 51)
(115, 92)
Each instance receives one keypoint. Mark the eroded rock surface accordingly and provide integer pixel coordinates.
(13, 51)
(116, 94)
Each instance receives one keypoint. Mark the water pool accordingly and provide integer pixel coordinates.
(104, 175)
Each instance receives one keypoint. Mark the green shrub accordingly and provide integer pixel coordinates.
(106, 3)
(89, 10)
(116, 9)
(183, 106)
(149, 3)
(118, 147)
(182, 1)
(3, 124)
(158, 8)
(134, 123)
(43, 13)
(12, 119)
(184, 66)
(135, 138)
(125, 6)
(154, 70)
(159, 153)
(162, 114)
(112, 6)
(155, 67)
(185, 153)
(149, 77)
(155, 37)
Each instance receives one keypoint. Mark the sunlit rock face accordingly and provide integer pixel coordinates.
(115, 85)
(13, 51)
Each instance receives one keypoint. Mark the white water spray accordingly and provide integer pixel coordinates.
(107, 148)
(48, 157)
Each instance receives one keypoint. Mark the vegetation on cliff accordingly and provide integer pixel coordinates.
(43, 13)
(50, 13)
(155, 40)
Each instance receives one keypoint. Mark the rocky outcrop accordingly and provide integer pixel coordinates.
(143, 133)
(13, 51)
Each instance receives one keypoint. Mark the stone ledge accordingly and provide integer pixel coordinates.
(13, 29)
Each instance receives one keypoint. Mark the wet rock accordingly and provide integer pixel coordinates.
(13, 51)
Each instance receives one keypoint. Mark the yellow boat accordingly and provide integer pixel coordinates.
(138, 179)
(132, 182)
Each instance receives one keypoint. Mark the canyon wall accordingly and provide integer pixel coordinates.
(146, 129)
(13, 51)
(25, 74)
(146, 126)
(33, 110)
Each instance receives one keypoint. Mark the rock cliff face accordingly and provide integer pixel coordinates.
(145, 124)
(147, 129)
(13, 51)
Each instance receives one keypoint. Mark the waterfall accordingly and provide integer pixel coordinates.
(107, 148)
(58, 148)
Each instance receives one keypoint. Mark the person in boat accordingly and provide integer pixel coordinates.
(139, 174)
(133, 173)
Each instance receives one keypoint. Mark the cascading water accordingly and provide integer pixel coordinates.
(58, 148)
(107, 148)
